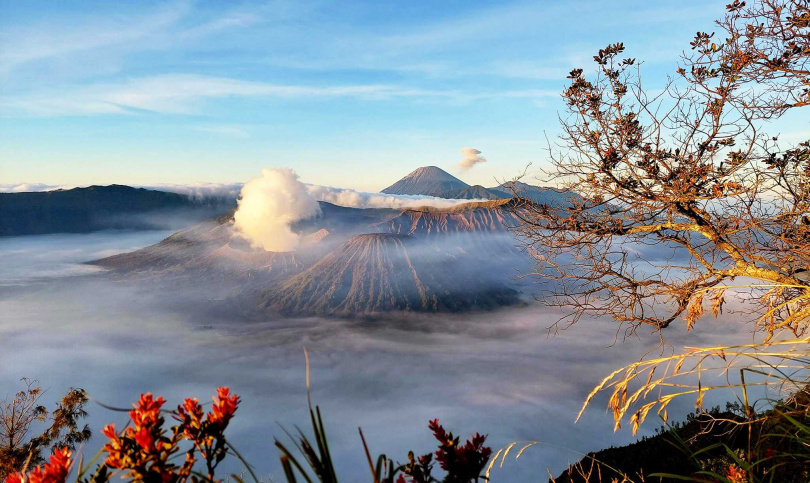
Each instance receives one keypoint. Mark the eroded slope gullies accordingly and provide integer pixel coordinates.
(377, 273)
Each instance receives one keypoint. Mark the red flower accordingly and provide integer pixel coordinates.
(144, 438)
(147, 410)
(223, 409)
(461, 462)
(736, 474)
(190, 416)
(55, 471)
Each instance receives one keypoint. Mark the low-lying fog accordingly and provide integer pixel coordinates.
(499, 373)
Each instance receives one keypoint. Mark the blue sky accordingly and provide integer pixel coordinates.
(351, 94)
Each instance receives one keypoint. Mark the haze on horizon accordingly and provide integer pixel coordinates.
(348, 94)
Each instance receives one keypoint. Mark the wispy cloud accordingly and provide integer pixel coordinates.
(48, 41)
(110, 37)
(183, 93)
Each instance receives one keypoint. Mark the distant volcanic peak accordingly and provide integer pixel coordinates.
(427, 181)
(434, 172)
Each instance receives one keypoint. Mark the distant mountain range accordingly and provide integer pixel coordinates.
(434, 181)
(84, 210)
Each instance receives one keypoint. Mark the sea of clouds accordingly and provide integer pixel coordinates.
(498, 373)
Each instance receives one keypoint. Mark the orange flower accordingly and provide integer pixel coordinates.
(55, 471)
(144, 438)
(736, 474)
(223, 409)
(147, 410)
(190, 416)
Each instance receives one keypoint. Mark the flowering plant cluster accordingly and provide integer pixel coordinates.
(463, 463)
(144, 450)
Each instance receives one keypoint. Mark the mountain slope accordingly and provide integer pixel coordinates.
(427, 181)
(491, 216)
(84, 210)
(210, 250)
(375, 273)
(548, 196)
(476, 192)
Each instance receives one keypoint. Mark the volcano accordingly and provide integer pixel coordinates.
(426, 181)
(382, 272)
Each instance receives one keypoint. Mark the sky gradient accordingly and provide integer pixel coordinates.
(350, 94)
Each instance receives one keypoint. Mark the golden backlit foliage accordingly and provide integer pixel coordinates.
(687, 169)
(690, 207)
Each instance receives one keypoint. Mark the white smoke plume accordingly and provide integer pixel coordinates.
(359, 199)
(201, 191)
(268, 205)
(471, 158)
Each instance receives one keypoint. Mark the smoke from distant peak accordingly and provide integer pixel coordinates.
(268, 205)
(359, 199)
(471, 158)
(201, 191)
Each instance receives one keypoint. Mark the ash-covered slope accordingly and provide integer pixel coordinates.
(428, 181)
(211, 251)
(377, 273)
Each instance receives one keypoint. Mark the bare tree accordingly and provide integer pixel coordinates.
(17, 416)
(689, 171)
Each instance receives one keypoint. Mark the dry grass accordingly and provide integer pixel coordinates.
(647, 385)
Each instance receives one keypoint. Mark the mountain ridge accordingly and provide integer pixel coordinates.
(434, 181)
(97, 207)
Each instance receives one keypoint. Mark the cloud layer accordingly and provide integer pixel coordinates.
(360, 199)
